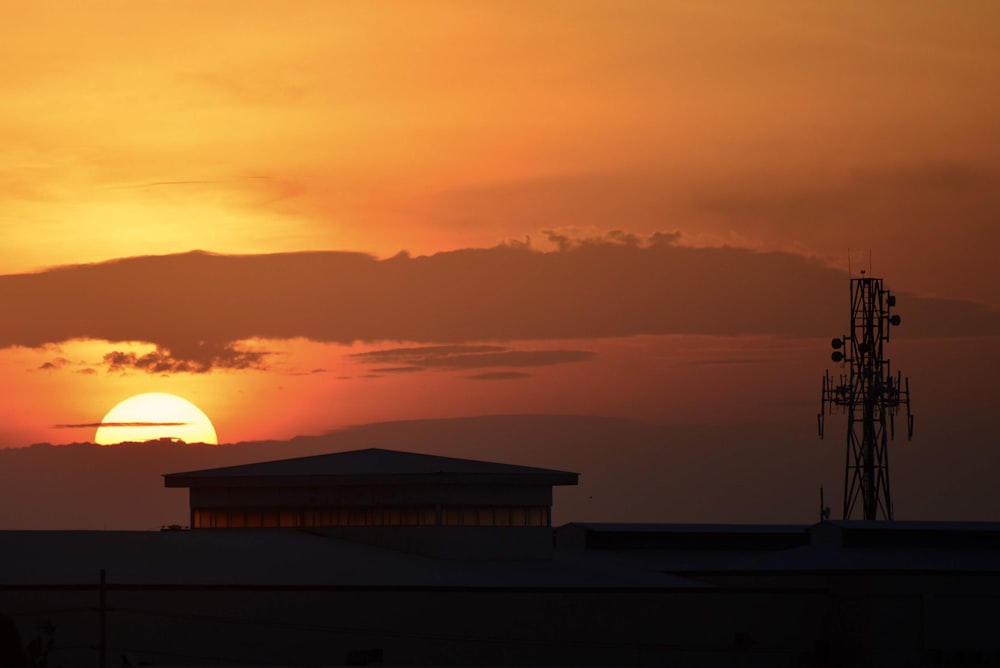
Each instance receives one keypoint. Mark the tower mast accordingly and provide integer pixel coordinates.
(871, 397)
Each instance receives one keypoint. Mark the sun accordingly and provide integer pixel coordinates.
(153, 416)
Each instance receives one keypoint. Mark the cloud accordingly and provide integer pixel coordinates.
(901, 209)
(199, 360)
(91, 425)
(54, 364)
(468, 357)
(724, 361)
(565, 241)
(197, 307)
(499, 375)
(423, 353)
(922, 190)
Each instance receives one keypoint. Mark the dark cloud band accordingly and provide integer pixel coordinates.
(197, 307)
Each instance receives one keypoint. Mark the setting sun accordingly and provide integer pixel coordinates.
(153, 416)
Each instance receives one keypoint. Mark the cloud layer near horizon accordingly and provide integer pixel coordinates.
(197, 307)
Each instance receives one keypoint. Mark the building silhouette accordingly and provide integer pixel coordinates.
(407, 568)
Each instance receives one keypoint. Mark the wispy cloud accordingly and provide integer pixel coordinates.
(725, 361)
(54, 364)
(468, 357)
(499, 375)
(92, 425)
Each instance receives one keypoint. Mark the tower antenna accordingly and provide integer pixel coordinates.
(871, 397)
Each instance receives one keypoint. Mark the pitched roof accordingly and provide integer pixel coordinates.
(367, 467)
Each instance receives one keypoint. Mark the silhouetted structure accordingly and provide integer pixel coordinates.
(871, 396)
(439, 506)
(841, 593)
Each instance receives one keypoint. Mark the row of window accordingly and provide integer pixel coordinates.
(489, 516)
(534, 516)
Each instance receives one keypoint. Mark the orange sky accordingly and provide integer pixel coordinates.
(134, 128)
(786, 132)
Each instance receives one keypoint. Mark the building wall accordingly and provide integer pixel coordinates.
(378, 516)
(457, 542)
(368, 496)
(494, 626)
(857, 619)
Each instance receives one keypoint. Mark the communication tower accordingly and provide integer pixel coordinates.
(871, 397)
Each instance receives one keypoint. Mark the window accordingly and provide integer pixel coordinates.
(519, 517)
(215, 519)
(537, 517)
(465, 516)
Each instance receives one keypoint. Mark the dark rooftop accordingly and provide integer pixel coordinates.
(250, 557)
(370, 466)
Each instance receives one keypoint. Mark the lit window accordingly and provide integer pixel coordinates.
(518, 517)
(502, 517)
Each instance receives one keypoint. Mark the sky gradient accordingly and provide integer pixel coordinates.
(305, 216)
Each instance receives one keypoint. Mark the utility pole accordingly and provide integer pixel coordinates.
(102, 640)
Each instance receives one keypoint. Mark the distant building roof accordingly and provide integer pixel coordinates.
(596, 535)
(369, 467)
(853, 546)
(289, 558)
